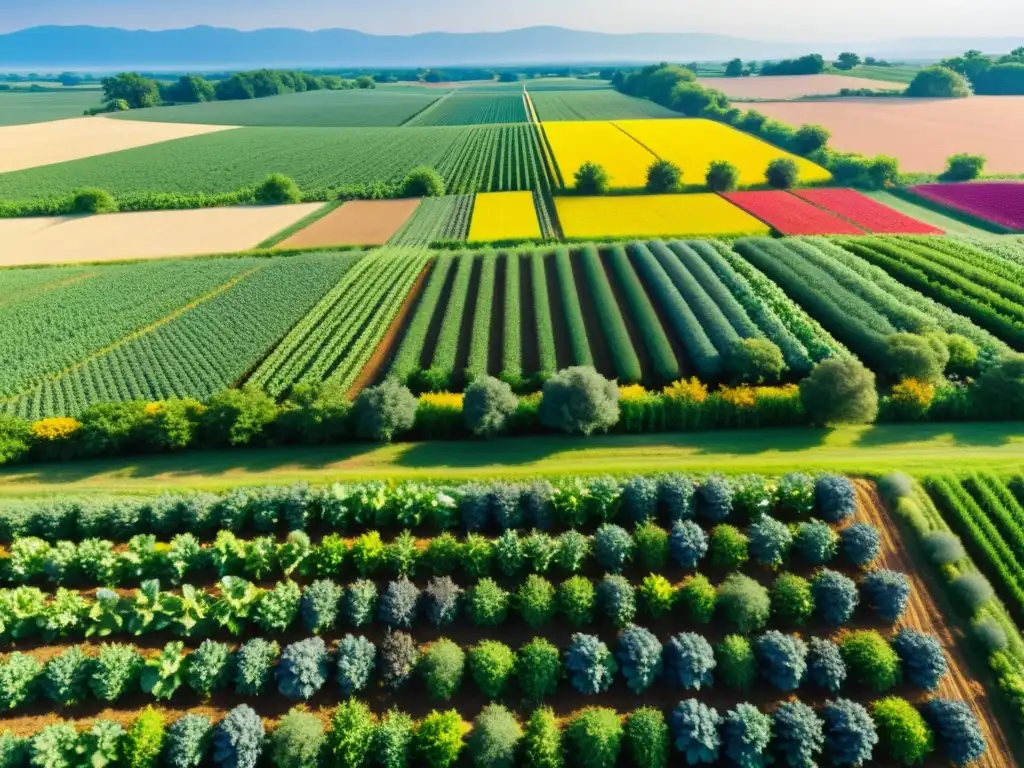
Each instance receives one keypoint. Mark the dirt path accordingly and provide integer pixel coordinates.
(922, 615)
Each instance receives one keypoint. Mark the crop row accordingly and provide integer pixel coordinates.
(983, 511)
(237, 606)
(960, 280)
(338, 335)
(302, 669)
(474, 109)
(841, 732)
(436, 219)
(203, 348)
(494, 158)
(571, 502)
(649, 548)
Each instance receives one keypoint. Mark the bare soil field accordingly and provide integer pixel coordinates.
(360, 222)
(921, 133)
(791, 86)
(146, 235)
(29, 146)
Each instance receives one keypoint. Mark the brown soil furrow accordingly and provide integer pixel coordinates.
(359, 222)
(922, 615)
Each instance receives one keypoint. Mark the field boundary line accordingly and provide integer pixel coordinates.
(39, 290)
(634, 138)
(297, 226)
(412, 120)
(138, 332)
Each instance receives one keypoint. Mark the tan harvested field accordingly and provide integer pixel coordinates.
(29, 146)
(359, 222)
(791, 86)
(921, 133)
(146, 235)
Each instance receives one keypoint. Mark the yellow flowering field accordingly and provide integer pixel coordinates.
(575, 143)
(693, 144)
(504, 216)
(699, 215)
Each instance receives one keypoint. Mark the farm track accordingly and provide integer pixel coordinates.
(923, 615)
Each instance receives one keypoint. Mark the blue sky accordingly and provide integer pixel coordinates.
(796, 20)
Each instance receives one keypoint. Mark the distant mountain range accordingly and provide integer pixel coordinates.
(103, 48)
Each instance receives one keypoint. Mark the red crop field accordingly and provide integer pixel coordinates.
(866, 213)
(1000, 202)
(790, 215)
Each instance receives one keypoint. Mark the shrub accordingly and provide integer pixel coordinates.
(538, 669)
(508, 552)
(188, 740)
(576, 600)
(695, 732)
(943, 548)
(902, 732)
(319, 605)
(639, 656)
(542, 740)
(54, 747)
(392, 740)
(355, 660)
(973, 590)
(963, 167)
(254, 661)
(923, 661)
(744, 602)
(535, 600)
(713, 499)
(438, 739)
(19, 678)
(938, 82)
(699, 597)
(487, 603)
(825, 666)
(487, 405)
(782, 659)
(839, 391)
(735, 662)
(770, 541)
(688, 543)
(277, 608)
(208, 668)
(593, 738)
(141, 745)
(957, 729)
(398, 604)
(491, 663)
(870, 660)
(792, 599)
(886, 593)
(651, 546)
(384, 411)
(494, 738)
(782, 173)
(442, 667)
(423, 181)
(236, 417)
(991, 635)
(722, 176)
(613, 547)
(816, 542)
(728, 547)
(579, 401)
(114, 670)
(909, 356)
(278, 189)
(302, 670)
(297, 740)
(591, 179)
(835, 498)
(689, 661)
(477, 554)
(676, 496)
(351, 735)
(663, 176)
(860, 544)
(810, 138)
(850, 735)
(999, 391)
(65, 677)
(640, 499)
(91, 200)
(101, 744)
(798, 735)
(367, 555)
(835, 597)
(746, 733)
(657, 595)
(754, 361)
(397, 659)
(615, 596)
(646, 737)
(590, 664)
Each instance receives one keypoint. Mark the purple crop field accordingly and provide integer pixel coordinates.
(1000, 202)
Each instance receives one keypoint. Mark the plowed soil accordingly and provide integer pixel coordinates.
(920, 133)
(922, 615)
(792, 86)
(360, 222)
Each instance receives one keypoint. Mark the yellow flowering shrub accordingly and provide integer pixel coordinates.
(633, 392)
(691, 390)
(152, 409)
(741, 397)
(57, 428)
(452, 400)
(913, 392)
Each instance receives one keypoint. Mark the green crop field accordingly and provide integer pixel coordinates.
(470, 158)
(566, 84)
(898, 74)
(314, 109)
(596, 104)
(474, 109)
(435, 219)
(27, 108)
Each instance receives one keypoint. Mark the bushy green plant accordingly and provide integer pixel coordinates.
(141, 745)
(922, 658)
(392, 740)
(579, 401)
(699, 597)
(576, 599)
(688, 543)
(423, 181)
(92, 200)
(839, 391)
(438, 739)
(735, 662)
(782, 173)
(689, 661)
(722, 176)
(380, 413)
(591, 179)
(782, 659)
(799, 735)
(399, 603)
(100, 746)
(957, 730)
(303, 669)
(254, 662)
(902, 733)
(355, 658)
(728, 547)
(508, 552)
(277, 608)
(442, 667)
(646, 737)
(744, 602)
(487, 603)
(320, 604)
(65, 679)
(540, 550)
(663, 176)
(816, 542)
(278, 189)
(542, 740)
(297, 740)
(825, 666)
(590, 664)
(19, 677)
(163, 674)
(792, 599)
(187, 741)
(639, 656)
(54, 747)
(593, 738)
(886, 593)
(538, 668)
(746, 733)
(617, 600)
(770, 541)
(535, 600)
(351, 734)
(114, 670)
(487, 405)
(695, 732)
(835, 597)
(397, 659)
(973, 590)
(650, 546)
(870, 660)
(495, 737)
(850, 734)
(713, 498)
(754, 361)
(441, 597)
(359, 601)
(237, 417)
(860, 544)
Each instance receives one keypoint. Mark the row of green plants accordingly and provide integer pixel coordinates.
(353, 665)
(649, 548)
(994, 631)
(572, 501)
(842, 733)
(238, 605)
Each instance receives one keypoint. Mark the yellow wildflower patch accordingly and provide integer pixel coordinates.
(691, 389)
(504, 216)
(633, 392)
(700, 215)
(914, 392)
(576, 143)
(693, 144)
(57, 428)
(442, 399)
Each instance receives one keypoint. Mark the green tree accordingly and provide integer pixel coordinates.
(938, 83)
(840, 391)
(722, 176)
(138, 91)
(734, 68)
(663, 176)
(963, 167)
(190, 89)
(278, 189)
(141, 745)
(810, 138)
(782, 173)
(423, 181)
(591, 179)
(847, 61)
